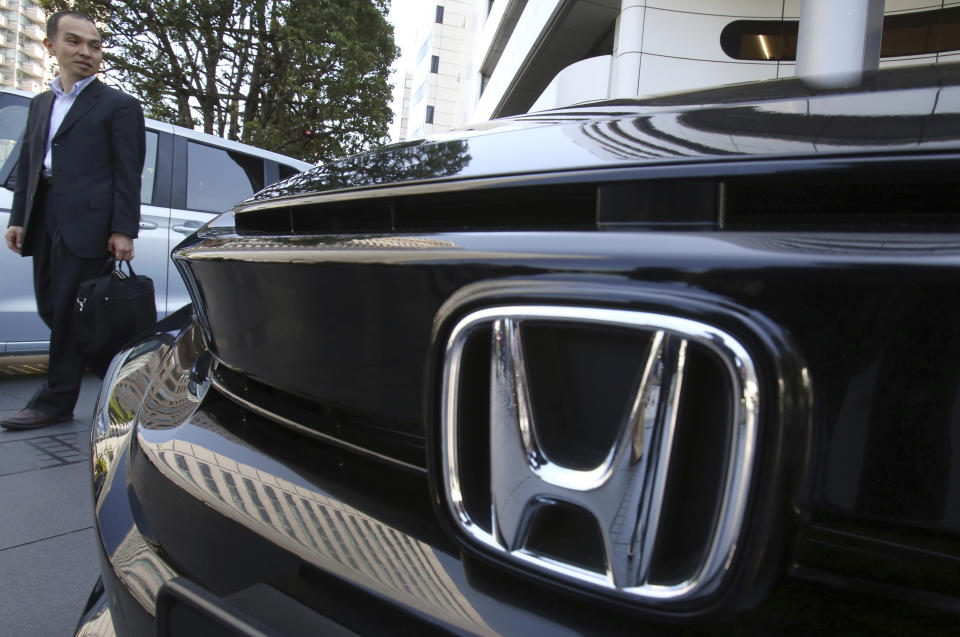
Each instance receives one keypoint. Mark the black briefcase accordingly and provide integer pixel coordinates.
(110, 311)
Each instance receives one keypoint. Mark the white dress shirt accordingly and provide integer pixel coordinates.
(61, 106)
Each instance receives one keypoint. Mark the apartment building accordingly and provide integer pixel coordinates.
(23, 58)
(480, 59)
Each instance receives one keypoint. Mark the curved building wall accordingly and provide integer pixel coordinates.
(680, 46)
(530, 28)
(586, 77)
(503, 57)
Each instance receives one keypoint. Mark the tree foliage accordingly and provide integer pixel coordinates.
(306, 78)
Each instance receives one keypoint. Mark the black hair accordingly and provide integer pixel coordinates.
(54, 21)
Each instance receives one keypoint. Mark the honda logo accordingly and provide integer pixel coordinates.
(625, 492)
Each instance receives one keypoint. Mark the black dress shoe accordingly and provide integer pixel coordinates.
(33, 419)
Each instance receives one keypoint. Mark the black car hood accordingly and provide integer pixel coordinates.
(782, 118)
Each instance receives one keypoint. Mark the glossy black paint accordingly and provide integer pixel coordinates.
(769, 120)
(854, 514)
(864, 314)
(506, 603)
(885, 307)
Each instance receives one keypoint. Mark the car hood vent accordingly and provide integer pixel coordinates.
(570, 207)
(849, 194)
(911, 196)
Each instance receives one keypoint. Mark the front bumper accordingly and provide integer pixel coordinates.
(203, 511)
(96, 619)
(209, 515)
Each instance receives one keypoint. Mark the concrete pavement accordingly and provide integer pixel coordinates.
(48, 561)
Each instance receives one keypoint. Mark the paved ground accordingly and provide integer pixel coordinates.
(47, 547)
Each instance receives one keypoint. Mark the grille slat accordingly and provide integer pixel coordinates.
(355, 432)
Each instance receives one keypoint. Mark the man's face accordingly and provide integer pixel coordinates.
(77, 48)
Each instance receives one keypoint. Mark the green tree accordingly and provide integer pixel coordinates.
(307, 78)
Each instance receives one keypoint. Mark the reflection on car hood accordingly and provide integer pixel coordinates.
(783, 118)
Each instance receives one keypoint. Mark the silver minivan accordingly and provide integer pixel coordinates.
(188, 178)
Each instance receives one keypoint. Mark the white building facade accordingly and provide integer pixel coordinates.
(24, 60)
(481, 59)
(436, 52)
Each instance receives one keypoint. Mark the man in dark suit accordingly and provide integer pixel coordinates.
(76, 201)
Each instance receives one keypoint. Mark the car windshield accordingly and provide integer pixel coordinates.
(13, 117)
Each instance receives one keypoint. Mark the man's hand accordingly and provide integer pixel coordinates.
(14, 237)
(120, 246)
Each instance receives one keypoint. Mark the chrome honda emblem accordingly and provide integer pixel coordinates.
(625, 492)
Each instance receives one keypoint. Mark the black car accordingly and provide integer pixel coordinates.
(685, 365)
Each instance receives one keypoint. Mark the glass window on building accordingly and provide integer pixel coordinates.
(423, 50)
(434, 63)
(760, 39)
(419, 94)
(920, 33)
(904, 34)
(439, 19)
(429, 119)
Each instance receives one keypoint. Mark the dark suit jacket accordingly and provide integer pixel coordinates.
(98, 154)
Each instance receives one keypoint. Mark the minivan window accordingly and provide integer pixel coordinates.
(287, 171)
(149, 169)
(13, 119)
(217, 178)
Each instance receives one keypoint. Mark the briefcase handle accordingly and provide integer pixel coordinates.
(117, 267)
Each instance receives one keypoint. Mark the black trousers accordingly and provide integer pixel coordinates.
(57, 274)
